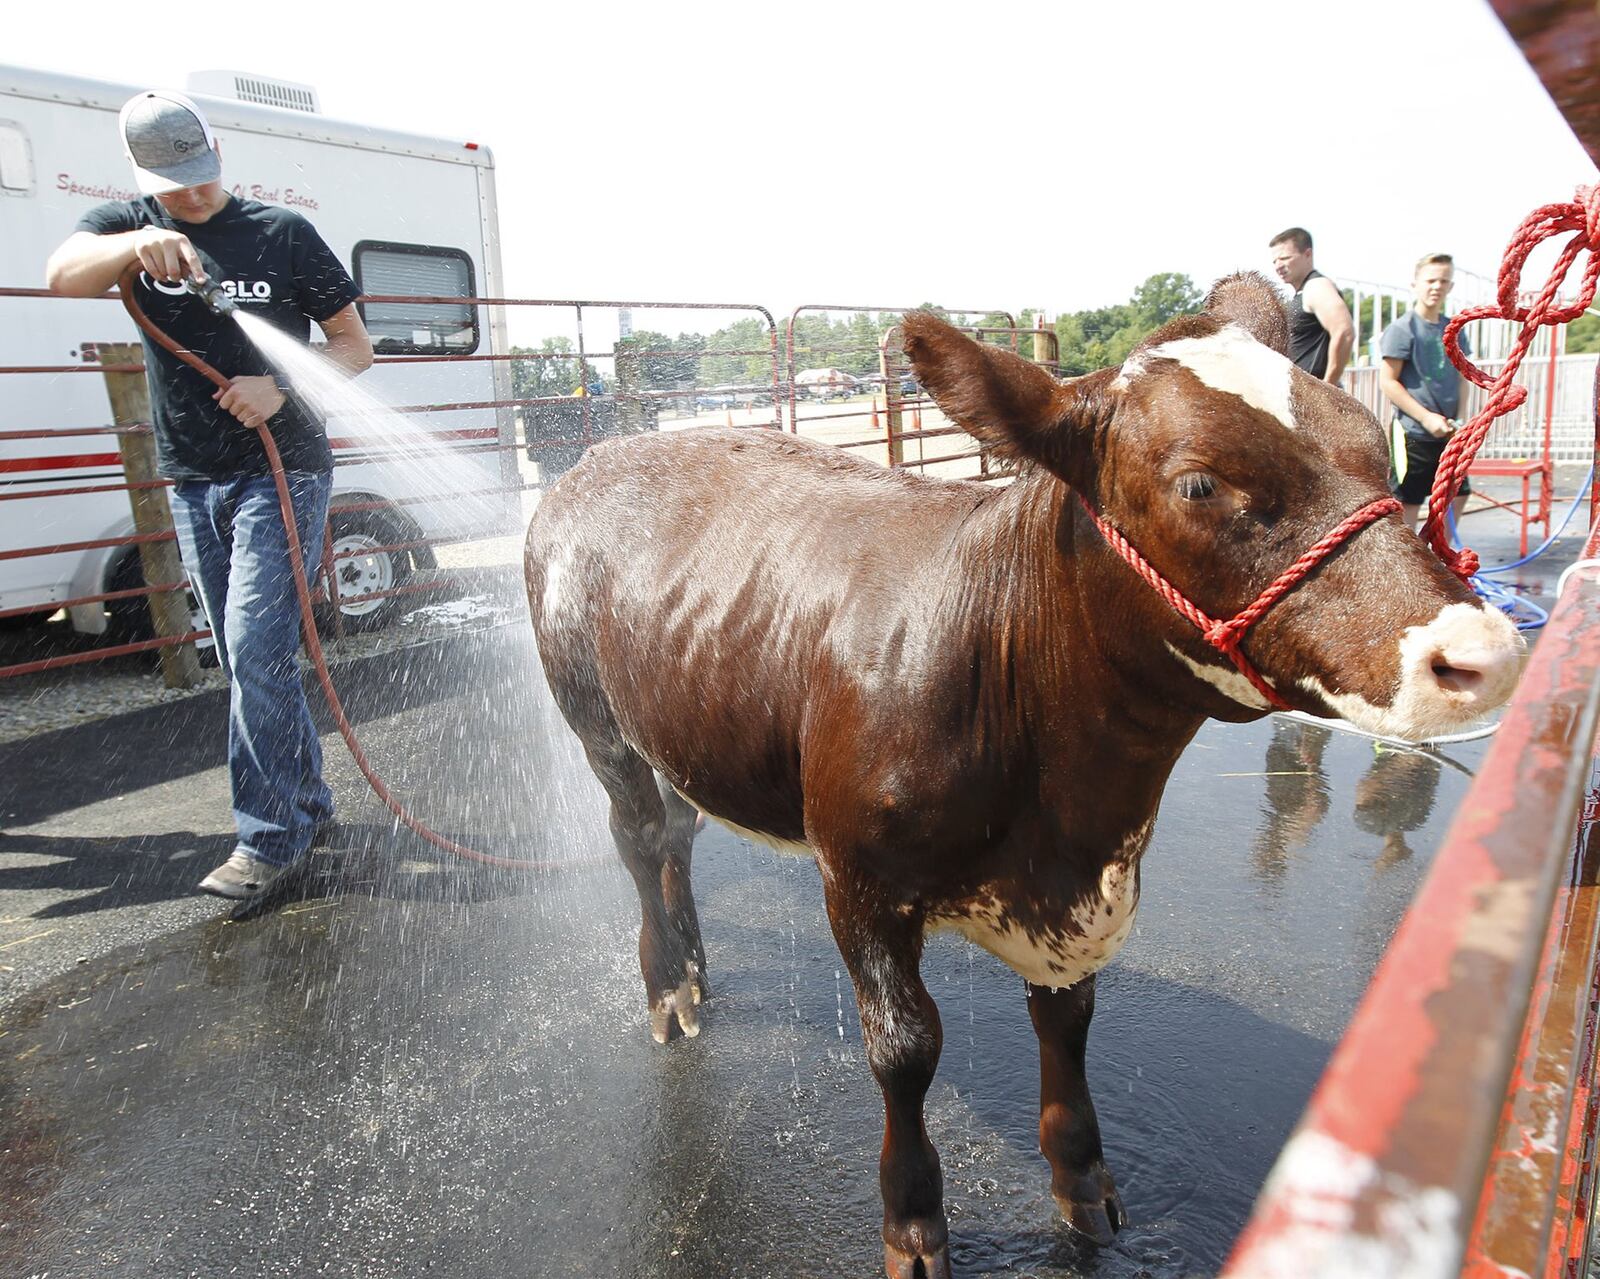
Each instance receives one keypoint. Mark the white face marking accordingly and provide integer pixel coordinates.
(1314, 1186)
(1227, 680)
(1231, 360)
(1084, 942)
(1481, 639)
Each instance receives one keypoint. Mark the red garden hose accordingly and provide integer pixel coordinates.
(308, 624)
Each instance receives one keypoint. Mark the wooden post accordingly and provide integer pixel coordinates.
(891, 363)
(1046, 345)
(169, 610)
(634, 415)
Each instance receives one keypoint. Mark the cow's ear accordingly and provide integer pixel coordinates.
(1013, 406)
(1250, 302)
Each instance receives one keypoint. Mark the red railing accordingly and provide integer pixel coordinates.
(1452, 1132)
(904, 425)
(876, 368)
(582, 419)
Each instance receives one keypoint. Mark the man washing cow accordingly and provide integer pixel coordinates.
(961, 699)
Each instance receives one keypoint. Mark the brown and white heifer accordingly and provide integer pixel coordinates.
(957, 697)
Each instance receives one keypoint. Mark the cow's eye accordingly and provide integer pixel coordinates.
(1196, 486)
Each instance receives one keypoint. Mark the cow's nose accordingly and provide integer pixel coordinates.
(1457, 676)
(1478, 672)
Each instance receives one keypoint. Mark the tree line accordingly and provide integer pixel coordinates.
(740, 354)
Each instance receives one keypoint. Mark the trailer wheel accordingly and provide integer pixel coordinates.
(128, 621)
(360, 568)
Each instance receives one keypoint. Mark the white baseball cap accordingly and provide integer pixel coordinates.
(168, 142)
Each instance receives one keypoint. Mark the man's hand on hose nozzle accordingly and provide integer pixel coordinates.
(251, 399)
(167, 256)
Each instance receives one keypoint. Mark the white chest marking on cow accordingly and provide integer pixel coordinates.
(1231, 360)
(1225, 679)
(1062, 952)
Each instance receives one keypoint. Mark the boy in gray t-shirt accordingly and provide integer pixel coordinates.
(1425, 389)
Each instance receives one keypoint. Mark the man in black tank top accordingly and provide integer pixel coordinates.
(1308, 340)
(1320, 332)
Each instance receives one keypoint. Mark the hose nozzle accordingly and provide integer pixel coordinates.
(211, 293)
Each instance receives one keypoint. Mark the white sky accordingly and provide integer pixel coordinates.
(1003, 155)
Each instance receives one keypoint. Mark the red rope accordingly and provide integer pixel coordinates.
(1226, 637)
(1582, 217)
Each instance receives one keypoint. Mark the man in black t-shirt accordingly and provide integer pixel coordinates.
(274, 265)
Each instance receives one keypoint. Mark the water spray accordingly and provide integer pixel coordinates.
(212, 296)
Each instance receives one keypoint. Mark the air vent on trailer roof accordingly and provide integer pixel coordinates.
(245, 87)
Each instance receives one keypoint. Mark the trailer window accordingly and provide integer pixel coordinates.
(16, 162)
(416, 270)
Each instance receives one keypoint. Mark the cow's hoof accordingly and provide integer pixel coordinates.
(682, 1003)
(929, 1264)
(1097, 1219)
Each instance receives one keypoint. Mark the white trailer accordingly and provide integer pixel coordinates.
(407, 214)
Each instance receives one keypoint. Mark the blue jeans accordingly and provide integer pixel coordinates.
(235, 547)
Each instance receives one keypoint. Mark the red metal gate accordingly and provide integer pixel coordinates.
(863, 407)
(621, 390)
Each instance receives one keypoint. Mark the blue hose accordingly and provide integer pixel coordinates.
(1543, 546)
(1524, 613)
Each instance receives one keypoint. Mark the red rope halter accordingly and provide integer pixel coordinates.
(1581, 216)
(1226, 637)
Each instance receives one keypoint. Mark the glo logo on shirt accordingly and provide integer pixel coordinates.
(248, 290)
(238, 290)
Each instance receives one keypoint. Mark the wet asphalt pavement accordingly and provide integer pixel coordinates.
(413, 1065)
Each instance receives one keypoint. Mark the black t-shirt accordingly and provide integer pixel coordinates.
(275, 265)
(1308, 340)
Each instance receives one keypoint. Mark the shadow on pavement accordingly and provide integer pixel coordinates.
(415, 1083)
(70, 768)
(109, 872)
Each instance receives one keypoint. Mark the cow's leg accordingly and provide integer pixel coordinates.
(882, 948)
(682, 822)
(1069, 1132)
(640, 825)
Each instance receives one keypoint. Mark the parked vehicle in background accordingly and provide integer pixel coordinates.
(909, 387)
(825, 384)
(732, 396)
(715, 398)
(61, 154)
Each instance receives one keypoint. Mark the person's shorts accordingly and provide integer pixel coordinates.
(1413, 463)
